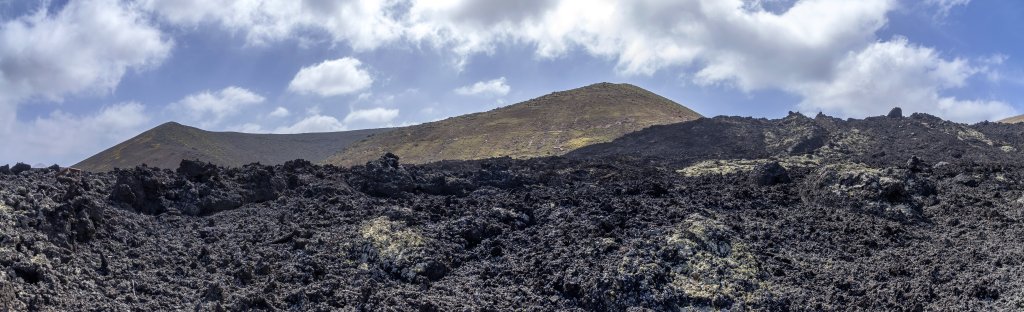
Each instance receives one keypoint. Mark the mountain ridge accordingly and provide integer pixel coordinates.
(1012, 120)
(549, 125)
(553, 124)
(164, 146)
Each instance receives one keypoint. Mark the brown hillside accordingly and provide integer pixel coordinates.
(166, 145)
(553, 124)
(1014, 119)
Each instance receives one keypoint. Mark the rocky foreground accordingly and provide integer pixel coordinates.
(787, 228)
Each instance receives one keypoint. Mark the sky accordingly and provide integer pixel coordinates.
(77, 77)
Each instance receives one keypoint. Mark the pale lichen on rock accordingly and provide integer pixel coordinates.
(391, 238)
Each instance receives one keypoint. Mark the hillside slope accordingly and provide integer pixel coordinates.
(553, 124)
(166, 145)
(1014, 119)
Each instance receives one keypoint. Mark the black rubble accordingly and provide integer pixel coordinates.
(795, 214)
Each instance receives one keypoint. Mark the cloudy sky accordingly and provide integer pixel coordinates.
(79, 76)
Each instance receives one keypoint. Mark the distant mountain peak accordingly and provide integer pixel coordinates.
(553, 124)
(172, 124)
(164, 146)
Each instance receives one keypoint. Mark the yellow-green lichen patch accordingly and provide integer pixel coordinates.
(971, 134)
(6, 216)
(716, 264)
(39, 259)
(731, 166)
(845, 143)
(853, 138)
(792, 138)
(844, 177)
(392, 239)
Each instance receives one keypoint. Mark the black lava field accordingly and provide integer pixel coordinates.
(727, 213)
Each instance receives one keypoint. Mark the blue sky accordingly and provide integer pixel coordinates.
(79, 76)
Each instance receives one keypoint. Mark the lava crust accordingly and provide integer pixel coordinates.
(785, 224)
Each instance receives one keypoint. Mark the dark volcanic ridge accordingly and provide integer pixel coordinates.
(875, 141)
(909, 213)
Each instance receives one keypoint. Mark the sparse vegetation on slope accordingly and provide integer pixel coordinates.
(168, 144)
(546, 126)
(1013, 120)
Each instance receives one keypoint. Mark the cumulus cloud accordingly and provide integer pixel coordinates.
(373, 115)
(210, 108)
(364, 25)
(332, 77)
(67, 139)
(896, 73)
(496, 87)
(817, 49)
(86, 46)
(280, 112)
(791, 46)
(314, 123)
(247, 128)
(827, 52)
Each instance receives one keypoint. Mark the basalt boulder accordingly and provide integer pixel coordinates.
(20, 167)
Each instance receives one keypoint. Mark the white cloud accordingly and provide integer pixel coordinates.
(317, 122)
(67, 139)
(795, 46)
(896, 73)
(332, 77)
(314, 123)
(279, 112)
(944, 6)
(87, 46)
(364, 24)
(210, 108)
(645, 36)
(247, 128)
(373, 115)
(496, 87)
(814, 48)
(974, 110)
(825, 51)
